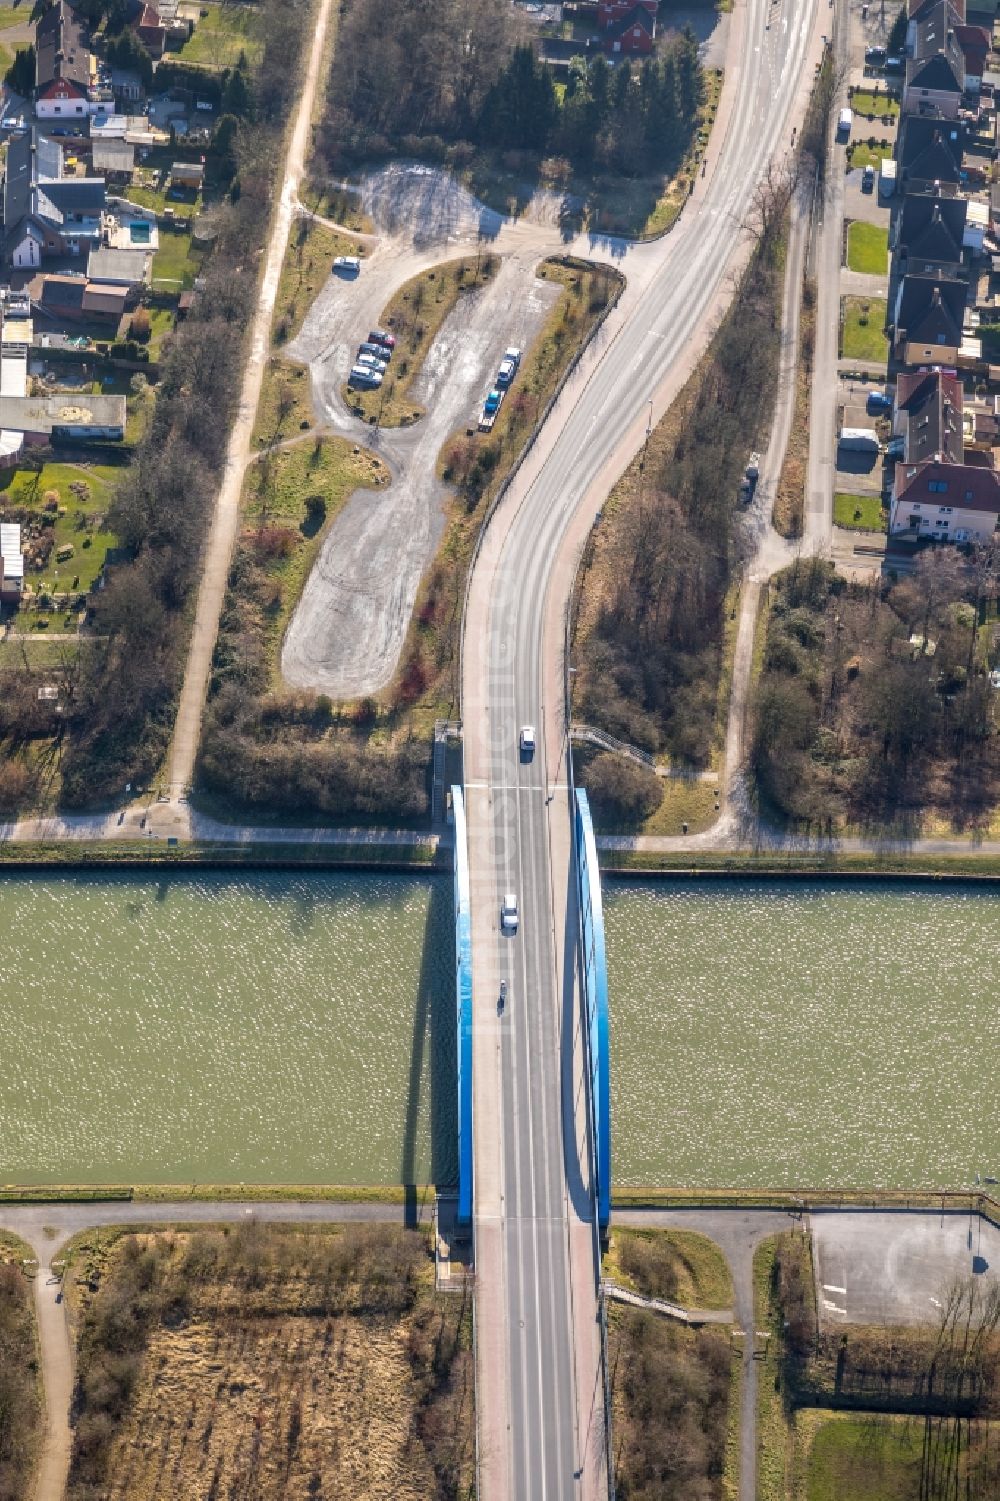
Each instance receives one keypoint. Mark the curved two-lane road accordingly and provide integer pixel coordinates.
(539, 1371)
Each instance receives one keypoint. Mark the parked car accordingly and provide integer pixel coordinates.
(377, 351)
(844, 122)
(868, 179)
(350, 265)
(513, 354)
(379, 336)
(508, 914)
(876, 56)
(506, 372)
(365, 377)
(370, 362)
(895, 448)
(526, 741)
(878, 401)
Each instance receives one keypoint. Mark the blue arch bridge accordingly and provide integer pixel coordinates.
(593, 986)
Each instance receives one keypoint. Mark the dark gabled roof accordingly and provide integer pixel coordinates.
(940, 72)
(17, 179)
(918, 10)
(975, 44)
(77, 195)
(935, 37)
(62, 47)
(930, 405)
(931, 228)
(970, 486)
(637, 16)
(930, 149)
(929, 307)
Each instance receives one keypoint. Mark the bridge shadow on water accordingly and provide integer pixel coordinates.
(434, 1027)
(575, 1098)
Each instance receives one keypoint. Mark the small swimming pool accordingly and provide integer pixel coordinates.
(139, 232)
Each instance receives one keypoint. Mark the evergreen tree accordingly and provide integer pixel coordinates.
(21, 73)
(689, 81)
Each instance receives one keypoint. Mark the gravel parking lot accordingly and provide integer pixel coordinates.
(348, 630)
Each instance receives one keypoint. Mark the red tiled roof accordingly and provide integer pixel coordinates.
(970, 488)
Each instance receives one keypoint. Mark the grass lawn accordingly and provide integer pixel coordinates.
(175, 264)
(161, 322)
(220, 36)
(863, 155)
(869, 102)
(306, 267)
(679, 1266)
(285, 402)
(867, 248)
(866, 1457)
(415, 315)
(859, 513)
(79, 526)
(342, 205)
(862, 324)
(11, 17)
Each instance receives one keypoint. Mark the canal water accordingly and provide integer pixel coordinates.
(271, 1027)
(256, 1028)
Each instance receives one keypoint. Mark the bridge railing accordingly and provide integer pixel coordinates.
(463, 1007)
(594, 980)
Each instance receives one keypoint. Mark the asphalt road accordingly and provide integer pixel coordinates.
(541, 1425)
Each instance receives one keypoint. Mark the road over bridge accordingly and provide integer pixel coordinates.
(539, 1366)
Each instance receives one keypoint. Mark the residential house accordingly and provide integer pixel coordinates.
(975, 44)
(929, 152)
(11, 563)
(633, 35)
(610, 12)
(44, 213)
(65, 71)
(928, 319)
(946, 502)
(928, 231)
(935, 73)
(149, 27)
(928, 416)
(917, 10)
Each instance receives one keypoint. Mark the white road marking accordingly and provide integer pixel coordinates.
(828, 1287)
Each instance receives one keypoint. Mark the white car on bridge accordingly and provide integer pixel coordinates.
(508, 914)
